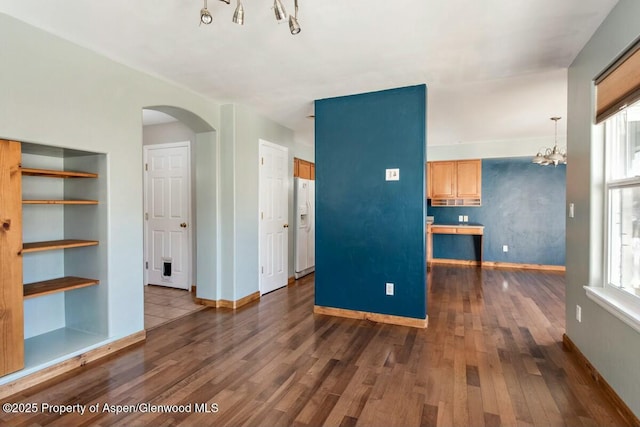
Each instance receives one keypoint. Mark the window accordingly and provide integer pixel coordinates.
(622, 141)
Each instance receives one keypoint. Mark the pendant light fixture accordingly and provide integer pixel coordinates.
(278, 9)
(205, 16)
(294, 27)
(238, 15)
(553, 155)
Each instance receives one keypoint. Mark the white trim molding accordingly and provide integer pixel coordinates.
(623, 306)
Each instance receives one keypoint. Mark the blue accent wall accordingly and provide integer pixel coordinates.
(370, 231)
(523, 207)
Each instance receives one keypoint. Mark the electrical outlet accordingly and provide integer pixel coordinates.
(389, 288)
(505, 248)
(578, 313)
(466, 218)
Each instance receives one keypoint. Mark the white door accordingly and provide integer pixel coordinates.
(273, 216)
(167, 214)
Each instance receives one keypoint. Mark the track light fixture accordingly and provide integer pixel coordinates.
(238, 15)
(278, 8)
(294, 27)
(205, 16)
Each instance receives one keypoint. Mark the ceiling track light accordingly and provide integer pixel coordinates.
(551, 156)
(294, 27)
(205, 17)
(278, 9)
(238, 15)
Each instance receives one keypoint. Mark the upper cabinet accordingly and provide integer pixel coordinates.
(304, 169)
(455, 183)
(427, 178)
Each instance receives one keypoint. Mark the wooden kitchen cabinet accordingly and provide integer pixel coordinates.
(427, 178)
(304, 169)
(456, 183)
(469, 179)
(443, 180)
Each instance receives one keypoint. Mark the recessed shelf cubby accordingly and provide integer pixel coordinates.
(59, 202)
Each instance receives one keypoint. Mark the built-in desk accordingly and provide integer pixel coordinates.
(466, 229)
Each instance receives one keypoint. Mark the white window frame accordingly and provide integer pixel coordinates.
(620, 303)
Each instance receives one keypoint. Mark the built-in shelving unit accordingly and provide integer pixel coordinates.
(53, 287)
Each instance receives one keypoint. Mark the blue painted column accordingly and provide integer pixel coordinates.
(370, 231)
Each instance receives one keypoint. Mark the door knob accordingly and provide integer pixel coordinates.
(183, 225)
(286, 226)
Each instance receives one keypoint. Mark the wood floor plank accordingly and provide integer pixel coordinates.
(492, 356)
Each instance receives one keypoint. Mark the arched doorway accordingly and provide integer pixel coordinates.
(173, 136)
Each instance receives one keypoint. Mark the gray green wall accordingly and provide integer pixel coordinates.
(59, 94)
(242, 128)
(610, 345)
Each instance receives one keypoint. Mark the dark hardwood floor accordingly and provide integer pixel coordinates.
(492, 355)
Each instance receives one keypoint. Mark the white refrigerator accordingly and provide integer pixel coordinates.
(305, 229)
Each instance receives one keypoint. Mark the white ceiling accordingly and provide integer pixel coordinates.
(495, 69)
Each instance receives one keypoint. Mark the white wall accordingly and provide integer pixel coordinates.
(610, 345)
(494, 149)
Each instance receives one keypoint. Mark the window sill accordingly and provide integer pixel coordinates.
(623, 306)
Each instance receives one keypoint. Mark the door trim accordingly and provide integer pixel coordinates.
(145, 192)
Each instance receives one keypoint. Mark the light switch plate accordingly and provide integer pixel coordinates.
(392, 175)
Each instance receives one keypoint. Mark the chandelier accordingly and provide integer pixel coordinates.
(238, 16)
(551, 156)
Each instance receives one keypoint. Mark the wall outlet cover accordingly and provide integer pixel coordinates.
(392, 175)
(389, 288)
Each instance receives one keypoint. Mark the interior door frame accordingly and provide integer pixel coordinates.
(145, 191)
(261, 143)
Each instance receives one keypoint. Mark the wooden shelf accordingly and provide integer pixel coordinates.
(59, 202)
(46, 287)
(57, 174)
(56, 244)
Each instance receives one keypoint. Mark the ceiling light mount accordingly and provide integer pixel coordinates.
(551, 156)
